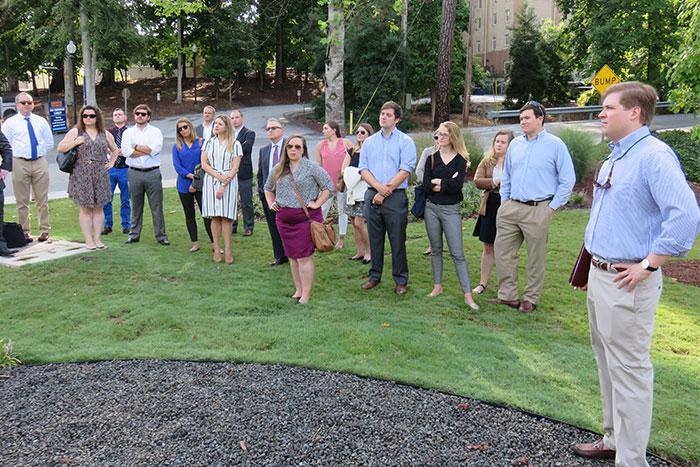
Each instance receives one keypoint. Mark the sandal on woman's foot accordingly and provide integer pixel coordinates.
(355, 258)
(479, 289)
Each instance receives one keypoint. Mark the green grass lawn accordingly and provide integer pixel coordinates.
(149, 301)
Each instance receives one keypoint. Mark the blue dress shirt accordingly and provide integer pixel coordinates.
(649, 207)
(184, 161)
(538, 169)
(384, 157)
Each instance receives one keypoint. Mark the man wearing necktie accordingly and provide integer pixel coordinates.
(269, 157)
(31, 138)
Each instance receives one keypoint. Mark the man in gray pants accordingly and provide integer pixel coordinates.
(141, 145)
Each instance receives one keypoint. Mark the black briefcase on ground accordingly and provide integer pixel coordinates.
(14, 235)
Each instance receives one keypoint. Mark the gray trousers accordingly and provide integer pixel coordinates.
(150, 184)
(390, 218)
(447, 219)
(245, 192)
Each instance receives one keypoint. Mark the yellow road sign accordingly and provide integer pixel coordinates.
(604, 79)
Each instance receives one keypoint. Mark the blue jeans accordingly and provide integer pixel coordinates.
(119, 176)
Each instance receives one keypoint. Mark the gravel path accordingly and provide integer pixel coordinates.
(154, 412)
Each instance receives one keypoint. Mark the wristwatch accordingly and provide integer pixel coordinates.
(645, 265)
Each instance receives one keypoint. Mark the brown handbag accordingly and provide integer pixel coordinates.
(323, 235)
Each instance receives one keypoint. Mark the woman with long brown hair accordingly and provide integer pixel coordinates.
(314, 186)
(187, 153)
(488, 178)
(88, 185)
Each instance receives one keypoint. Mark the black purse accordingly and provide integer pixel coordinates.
(66, 160)
(418, 209)
(197, 180)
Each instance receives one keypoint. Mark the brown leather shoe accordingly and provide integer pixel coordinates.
(401, 290)
(247, 233)
(527, 307)
(510, 303)
(43, 237)
(594, 450)
(370, 284)
(28, 238)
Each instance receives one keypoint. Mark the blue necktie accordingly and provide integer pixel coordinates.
(32, 139)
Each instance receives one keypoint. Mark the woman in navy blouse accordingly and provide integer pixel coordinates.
(443, 178)
(187, 153)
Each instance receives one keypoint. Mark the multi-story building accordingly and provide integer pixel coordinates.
(493, 20)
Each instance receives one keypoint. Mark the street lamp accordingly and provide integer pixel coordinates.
(194, 51)
(71, 48)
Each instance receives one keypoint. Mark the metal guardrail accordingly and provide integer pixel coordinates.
(560, 111)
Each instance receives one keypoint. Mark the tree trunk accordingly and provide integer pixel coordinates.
(57, 83)
(89, 59)
(178, 100)
(279, 60)
(108, 77)
(444, 63)
(35, 89)
(335, 56)
(468, 74)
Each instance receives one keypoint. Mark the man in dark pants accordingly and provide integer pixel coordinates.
(5, 168)
(245, 173)
(269, 156)
(141, 146)
(387, 159)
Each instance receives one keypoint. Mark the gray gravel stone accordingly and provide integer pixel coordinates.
(177, 413)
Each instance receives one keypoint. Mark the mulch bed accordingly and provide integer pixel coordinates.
(155, 412)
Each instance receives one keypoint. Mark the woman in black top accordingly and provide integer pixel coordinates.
(443, 179)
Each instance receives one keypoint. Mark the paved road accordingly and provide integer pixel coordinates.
(256, 119)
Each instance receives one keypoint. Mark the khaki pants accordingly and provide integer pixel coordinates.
(622, 325)
(27, 174)
(517, 222)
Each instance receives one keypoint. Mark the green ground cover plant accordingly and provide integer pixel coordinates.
(149, 301)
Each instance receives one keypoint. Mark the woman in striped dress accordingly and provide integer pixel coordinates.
(221, 158)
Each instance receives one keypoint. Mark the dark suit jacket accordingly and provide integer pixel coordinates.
(247, 138)
(264, 167)
(6, 155)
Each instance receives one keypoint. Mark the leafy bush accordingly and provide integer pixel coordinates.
(472, 199)
(582, 147)
(687, 149)
(577, 198)
(589, 97)
(8, 358)
(476, 151)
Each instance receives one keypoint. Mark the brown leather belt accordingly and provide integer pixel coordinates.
(605, 265)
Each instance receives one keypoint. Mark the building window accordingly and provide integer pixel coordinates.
(507, 16)
(531, 11)
(494, 18)
(480, 4)
(506, 39)
(478, 23)
(478, 46)
(493, 43)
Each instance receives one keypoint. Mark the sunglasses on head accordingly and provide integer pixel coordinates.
(298, 147)
(183, 127)
(539, 107)
(89, 115)
(141, 114)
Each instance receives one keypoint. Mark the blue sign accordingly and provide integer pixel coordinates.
(57, 115)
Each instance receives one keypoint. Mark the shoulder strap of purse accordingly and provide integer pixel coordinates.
(306, 211)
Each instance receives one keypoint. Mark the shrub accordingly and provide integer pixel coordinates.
(589, 97)
(472, 199)
(476, 151)
(577, 198)
(687, 149)
(582, 147)
(8, 358)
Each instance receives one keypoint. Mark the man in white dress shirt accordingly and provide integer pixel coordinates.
(141, 146)
(31, 138)
(204, 130)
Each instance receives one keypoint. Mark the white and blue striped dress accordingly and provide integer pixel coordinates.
(221, 161)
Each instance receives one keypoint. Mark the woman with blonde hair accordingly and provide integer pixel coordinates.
(442, 181)
(187, 153)
(488, 178)
(298, 186)
(354, 205)
(221, 158)
(88, 185)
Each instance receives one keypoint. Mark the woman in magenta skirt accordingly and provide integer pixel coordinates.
(314, 186)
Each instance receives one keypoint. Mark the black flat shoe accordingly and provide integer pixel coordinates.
(355, 258)
(366, 261)
(132, 240)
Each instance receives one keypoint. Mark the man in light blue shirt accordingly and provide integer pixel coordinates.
(643, 212)
(537, 179)
(386, 160)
